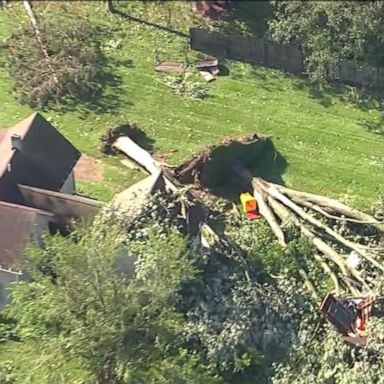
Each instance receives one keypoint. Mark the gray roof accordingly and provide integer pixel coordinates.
(45, 159)
(64, 207)
(16, 223)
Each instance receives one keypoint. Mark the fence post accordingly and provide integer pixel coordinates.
(265, 55)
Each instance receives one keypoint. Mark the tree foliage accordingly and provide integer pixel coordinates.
(327, 360)
(331, 32)
(73, 68)
(141, 302)
(101, 300)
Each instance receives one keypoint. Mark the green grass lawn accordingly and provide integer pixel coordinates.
(323, 140)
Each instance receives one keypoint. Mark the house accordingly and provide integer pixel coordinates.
(37, 191)
(18, 226)
(35, 154)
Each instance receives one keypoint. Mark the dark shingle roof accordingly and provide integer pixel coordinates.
(65, 207)
(16, 223)
(46, 158)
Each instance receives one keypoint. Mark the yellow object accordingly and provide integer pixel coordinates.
(248, 202)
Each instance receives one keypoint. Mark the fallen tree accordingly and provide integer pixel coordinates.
(280, 205)
(314, 216)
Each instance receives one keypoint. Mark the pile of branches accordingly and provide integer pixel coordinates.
(312, 216)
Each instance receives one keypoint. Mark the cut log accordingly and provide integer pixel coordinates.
(207, 76)
(211, 66)
(170, 66)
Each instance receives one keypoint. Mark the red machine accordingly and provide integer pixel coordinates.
(349, 316)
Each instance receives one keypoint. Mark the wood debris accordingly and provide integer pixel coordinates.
(170, 66)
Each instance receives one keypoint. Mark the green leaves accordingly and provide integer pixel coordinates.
(330, 32)
(103, 300)
(73, 68)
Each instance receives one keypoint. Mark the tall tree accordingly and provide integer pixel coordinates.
(330, 32)
(106, 303)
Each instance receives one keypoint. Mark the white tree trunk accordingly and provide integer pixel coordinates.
(39, 38)
(138, 154)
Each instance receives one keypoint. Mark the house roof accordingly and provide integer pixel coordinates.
(6, 151)
(64, 207)
(45, 159)
(16, 223)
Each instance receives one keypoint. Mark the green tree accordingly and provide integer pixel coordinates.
(66, 63)
(104, 302)
(330, 32)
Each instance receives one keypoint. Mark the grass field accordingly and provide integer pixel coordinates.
(323, 139)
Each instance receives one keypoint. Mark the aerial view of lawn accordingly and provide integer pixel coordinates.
(323, 139)
(272, 282)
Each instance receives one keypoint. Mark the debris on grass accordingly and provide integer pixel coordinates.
(319, 219)
(170, 66)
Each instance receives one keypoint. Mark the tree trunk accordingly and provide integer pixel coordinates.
(138, 154)
(39, 39)
(286, 216)
(269, 216)
(109, 6)
(272, 191)
(329, 205)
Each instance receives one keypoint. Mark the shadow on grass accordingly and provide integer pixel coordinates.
(360, 97)
(254, 15)
(144, 141)
(376, 127)
(106, 99)
(144, 22)
(260, 158)
(365, 99)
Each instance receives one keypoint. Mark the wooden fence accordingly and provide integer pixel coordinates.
(270, 54)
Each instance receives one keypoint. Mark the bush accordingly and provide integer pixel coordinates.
(72, 69)
(184, 85)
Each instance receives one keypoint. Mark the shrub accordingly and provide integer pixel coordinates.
(184, 85)
(72, 69)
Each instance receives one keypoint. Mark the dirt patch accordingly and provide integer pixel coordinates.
(130, 130)
(89, 169)
(213, 169)
(210, 9)
(192, 170)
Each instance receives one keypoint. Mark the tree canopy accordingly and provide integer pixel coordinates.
(105, 302)
(331, 32)
(64, 63)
